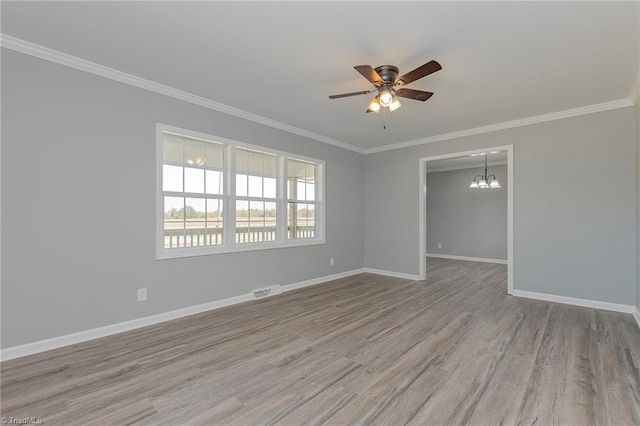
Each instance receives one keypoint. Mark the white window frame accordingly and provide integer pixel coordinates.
(229, 244)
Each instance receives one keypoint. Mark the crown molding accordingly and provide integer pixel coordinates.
(620, 103)
(32, 49)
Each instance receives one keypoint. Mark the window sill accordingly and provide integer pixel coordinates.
(177, 253)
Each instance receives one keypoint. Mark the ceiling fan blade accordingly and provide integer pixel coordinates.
(418, 95)
(422, 71)
(370, 74)
(344, 95)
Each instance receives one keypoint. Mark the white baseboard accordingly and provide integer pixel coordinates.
(320, 280)
(470, 259)
(95, 333)
(627, 309)
(86, 335)
(392, 274)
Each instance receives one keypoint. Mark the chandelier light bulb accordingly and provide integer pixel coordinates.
(482, 183)
(474, 184)
(494, 183)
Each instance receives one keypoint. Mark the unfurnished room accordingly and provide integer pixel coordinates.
(319, 213)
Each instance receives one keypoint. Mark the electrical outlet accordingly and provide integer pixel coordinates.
(142, 294)
(332, 261)
(439, 245)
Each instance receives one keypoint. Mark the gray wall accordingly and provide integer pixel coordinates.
(467, 222)
(78, 199)
(574, 205)
(78, 205)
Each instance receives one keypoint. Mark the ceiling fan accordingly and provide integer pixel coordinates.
(385, 81)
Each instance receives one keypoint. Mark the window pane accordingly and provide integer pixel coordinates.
(310, 172)
(214, 222)
(241, 185)
(193, 180)
(270, 166)
(255, 186)
(256, 163)
(172, 178)
(291, 217)
(214, 183)
(269, 187)
(214, 212)
(310, 192)
(309, 230)
(256, 220)
(172, 147)
(194, 152)
(256, 209)
(174, 207)
(195, 225)
(301, 180)
(296, 171)
(195, 209)
(301, 220)
(214, 156)
(260, 169)
(242, 221)
(270, 227)
(173, 222)
(241, 160)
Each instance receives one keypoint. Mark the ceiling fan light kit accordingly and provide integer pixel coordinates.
(385, 80)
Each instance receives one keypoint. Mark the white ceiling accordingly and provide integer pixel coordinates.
(501, 61)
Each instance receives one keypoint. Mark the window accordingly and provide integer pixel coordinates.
(192, 189)
(221, 196)
(301, 198)
(256, 201)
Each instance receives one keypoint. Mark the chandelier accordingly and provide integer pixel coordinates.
(485, 181)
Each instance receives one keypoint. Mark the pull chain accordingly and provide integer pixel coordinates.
(384, 118)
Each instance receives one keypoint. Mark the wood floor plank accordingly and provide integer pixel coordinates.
(621, 389)
(367, 349)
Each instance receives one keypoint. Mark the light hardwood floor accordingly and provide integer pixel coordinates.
(361, 350)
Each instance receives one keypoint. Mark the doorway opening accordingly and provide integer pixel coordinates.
(461, 161)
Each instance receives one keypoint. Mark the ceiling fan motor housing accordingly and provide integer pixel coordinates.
(388, 73)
